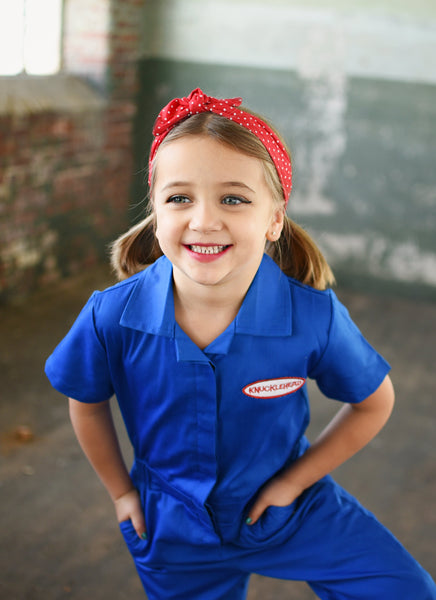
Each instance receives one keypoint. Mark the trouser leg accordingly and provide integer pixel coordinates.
(193, 573)
(327, 539)
(208, 584)
(344, 553)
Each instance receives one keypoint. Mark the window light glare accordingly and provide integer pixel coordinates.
(11, 36)
(30, 36)
(42, 36)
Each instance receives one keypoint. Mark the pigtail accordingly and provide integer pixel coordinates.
(299, 257)
(135, 249)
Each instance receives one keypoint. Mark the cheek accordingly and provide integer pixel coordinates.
(255, 233)
(166, 229)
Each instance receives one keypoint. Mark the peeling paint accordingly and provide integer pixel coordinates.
(325, 100)
(340, 246)
(22, 254)
(404, 261)
(407, 262)
(311, 203)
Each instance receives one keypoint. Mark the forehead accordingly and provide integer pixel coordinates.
(204, 158)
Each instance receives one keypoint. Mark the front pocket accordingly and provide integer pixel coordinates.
(135, 544)
(275, 526)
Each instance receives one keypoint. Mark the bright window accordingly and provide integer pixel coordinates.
(30, 36)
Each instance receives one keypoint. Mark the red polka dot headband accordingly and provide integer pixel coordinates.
(197, 102)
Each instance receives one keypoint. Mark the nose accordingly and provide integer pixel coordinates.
(205, 218)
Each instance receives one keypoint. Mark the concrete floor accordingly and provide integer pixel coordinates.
(59, 538)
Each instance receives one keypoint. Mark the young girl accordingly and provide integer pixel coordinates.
(208, 351)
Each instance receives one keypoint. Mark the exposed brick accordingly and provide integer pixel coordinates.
(65, 178)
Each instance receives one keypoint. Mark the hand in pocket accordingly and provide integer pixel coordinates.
(277, 492)
(128, 507)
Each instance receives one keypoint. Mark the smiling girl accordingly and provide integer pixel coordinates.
(208, 351)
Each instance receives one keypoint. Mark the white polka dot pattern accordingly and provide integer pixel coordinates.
(197, 102)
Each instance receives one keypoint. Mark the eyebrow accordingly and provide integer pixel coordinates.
(236, 184)
(175, 184)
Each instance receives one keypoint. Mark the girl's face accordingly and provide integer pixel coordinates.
(214, 212)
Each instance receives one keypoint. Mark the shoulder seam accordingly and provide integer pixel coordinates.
(116, 286)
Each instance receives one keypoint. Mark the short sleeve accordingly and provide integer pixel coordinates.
(349, 369)
(78, 366)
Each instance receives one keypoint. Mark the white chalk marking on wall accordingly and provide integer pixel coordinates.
(325, 97)
(385, 259)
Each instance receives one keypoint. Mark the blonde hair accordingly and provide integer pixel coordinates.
(295, 252)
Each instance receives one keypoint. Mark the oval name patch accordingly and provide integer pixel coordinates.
(273, 388)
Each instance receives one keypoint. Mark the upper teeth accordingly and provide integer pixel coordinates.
(207, 249)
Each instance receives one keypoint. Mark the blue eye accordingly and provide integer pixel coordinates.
(178, 200)
(234, 200)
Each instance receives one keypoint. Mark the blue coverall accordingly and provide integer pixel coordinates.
(210, 427)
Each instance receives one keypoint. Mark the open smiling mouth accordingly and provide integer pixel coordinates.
(207, 249)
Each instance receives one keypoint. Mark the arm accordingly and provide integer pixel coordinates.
(353, 427)
(95, 431)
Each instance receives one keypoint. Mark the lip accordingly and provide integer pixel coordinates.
(207, 257)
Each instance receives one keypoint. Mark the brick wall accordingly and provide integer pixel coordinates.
(65, 175)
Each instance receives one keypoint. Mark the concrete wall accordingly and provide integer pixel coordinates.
(351, 86)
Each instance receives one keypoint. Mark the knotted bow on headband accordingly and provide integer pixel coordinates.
(197, 102)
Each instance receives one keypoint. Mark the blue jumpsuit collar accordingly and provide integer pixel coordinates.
(265, 311)
(150, 307)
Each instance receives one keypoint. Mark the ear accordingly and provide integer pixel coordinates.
(276, 226)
